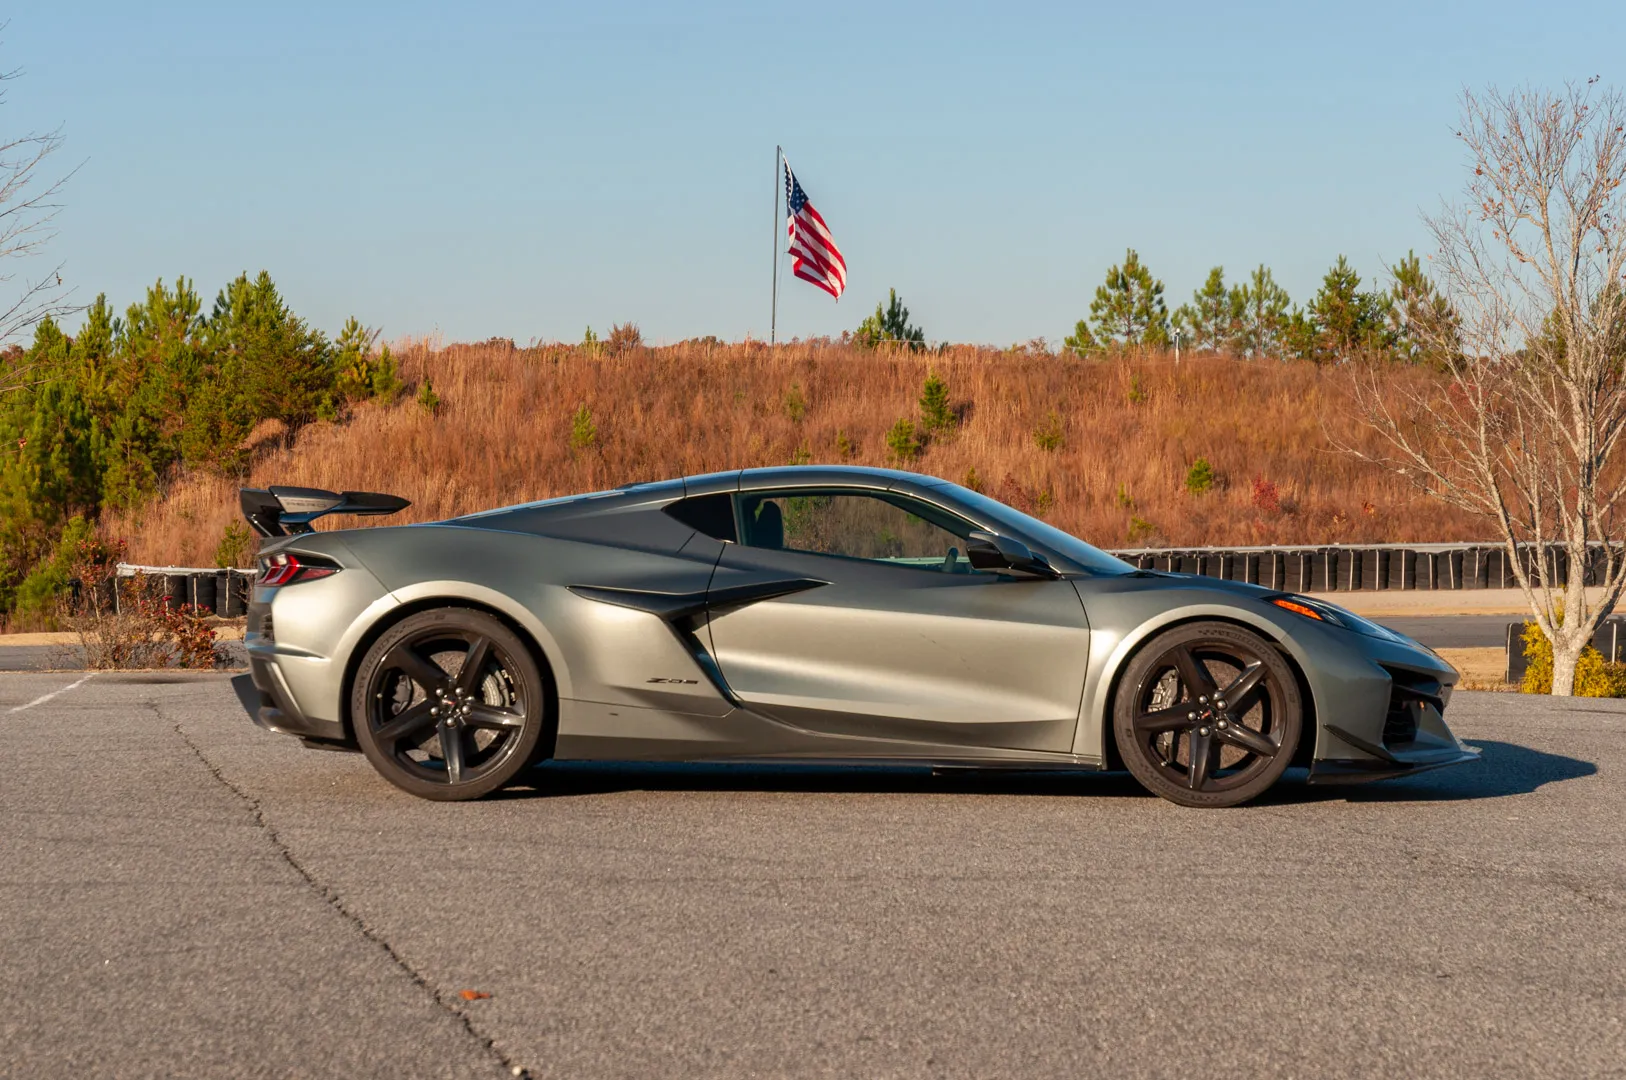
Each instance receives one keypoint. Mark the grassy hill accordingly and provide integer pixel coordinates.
(1103, 448)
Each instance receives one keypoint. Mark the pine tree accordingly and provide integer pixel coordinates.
(1128, 308)
(889, 323)
(1422, 323)
(1263, 325)
(1347, 320)
(1214, 315)
(1081, 341)
(936, 415)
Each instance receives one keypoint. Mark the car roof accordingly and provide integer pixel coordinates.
(858, 476)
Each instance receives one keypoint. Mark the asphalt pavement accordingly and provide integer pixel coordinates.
(183, 894)
(1453, 631)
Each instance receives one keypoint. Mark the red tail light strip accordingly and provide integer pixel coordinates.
(281, 569)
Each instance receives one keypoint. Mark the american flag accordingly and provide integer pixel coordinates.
(817, 259)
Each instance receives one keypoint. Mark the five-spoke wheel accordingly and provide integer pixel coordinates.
(1207, 714)
(449, 704)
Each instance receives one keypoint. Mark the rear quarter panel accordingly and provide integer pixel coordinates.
(597, 652)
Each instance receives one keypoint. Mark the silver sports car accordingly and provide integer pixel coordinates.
(809, 614)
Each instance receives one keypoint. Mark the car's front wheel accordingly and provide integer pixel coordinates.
(1207, 714)
(448, 704)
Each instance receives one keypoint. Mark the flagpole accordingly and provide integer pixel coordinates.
(773, 318)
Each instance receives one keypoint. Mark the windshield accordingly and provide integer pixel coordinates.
(1085, 556)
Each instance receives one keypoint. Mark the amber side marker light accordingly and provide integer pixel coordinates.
(1299, 609)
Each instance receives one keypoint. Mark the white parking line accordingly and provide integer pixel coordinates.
(43, 698)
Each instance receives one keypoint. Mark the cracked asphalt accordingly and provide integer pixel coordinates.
(182, 894)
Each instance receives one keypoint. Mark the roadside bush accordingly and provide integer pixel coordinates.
(1594, 677)
(128, 622)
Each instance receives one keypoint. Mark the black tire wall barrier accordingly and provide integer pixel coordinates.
(1334, 568)
(1361, 569)
(218, 592)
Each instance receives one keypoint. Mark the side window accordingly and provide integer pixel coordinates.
(711, 514)
(856, 525)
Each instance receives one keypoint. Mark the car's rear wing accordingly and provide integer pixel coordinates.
(286, 511)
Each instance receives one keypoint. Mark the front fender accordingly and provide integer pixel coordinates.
(1111, 648)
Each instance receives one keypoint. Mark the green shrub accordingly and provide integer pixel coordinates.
(903, 441)
(583, 432)
(428, 400)
(935, 413)
(1048, 436)
(845, 447)
(236, 546)
(795, 403)
(1125, 500)
(39, 593)
(972, 480)
(1200, 478)
(1137, 391)
(1140, 530)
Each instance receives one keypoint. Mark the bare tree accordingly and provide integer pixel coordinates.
(28, 209)
(1525, 429)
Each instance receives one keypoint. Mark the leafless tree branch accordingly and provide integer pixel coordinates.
(1525, 429)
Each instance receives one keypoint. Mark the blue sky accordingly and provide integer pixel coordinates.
(525, 170)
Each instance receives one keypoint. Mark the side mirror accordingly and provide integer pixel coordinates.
(990, 551)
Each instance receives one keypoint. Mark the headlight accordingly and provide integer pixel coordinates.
(1331, 613)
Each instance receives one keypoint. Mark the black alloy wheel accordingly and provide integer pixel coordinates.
(448, 705)
(1207, 714)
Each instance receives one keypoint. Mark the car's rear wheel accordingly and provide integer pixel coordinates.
(1207, 714)
(449, 704)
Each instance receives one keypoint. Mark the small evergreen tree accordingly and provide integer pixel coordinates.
(889, 323)
(1048, 436)
(1081, 341)
(583, 432)
(1200, 478)
(903, 441)
(935, 412)
(1262, 327)
(1214, 316)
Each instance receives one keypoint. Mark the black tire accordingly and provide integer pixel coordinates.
(1207, 714)
(435, 727)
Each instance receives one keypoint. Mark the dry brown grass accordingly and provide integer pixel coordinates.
(1134, 423)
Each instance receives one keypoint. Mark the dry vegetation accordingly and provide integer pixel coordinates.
(1130, 428)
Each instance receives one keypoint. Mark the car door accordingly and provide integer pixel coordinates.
(891, 634)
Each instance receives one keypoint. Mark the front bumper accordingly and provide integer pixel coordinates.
(1403, 731)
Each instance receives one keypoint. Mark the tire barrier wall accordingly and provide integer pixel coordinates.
(222, 592)
(1341, 568)
(1333, 568)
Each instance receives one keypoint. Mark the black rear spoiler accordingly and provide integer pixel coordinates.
(286, 511)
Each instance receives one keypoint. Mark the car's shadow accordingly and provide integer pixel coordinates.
(1503, 769)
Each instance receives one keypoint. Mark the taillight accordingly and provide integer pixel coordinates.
(282, 569)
